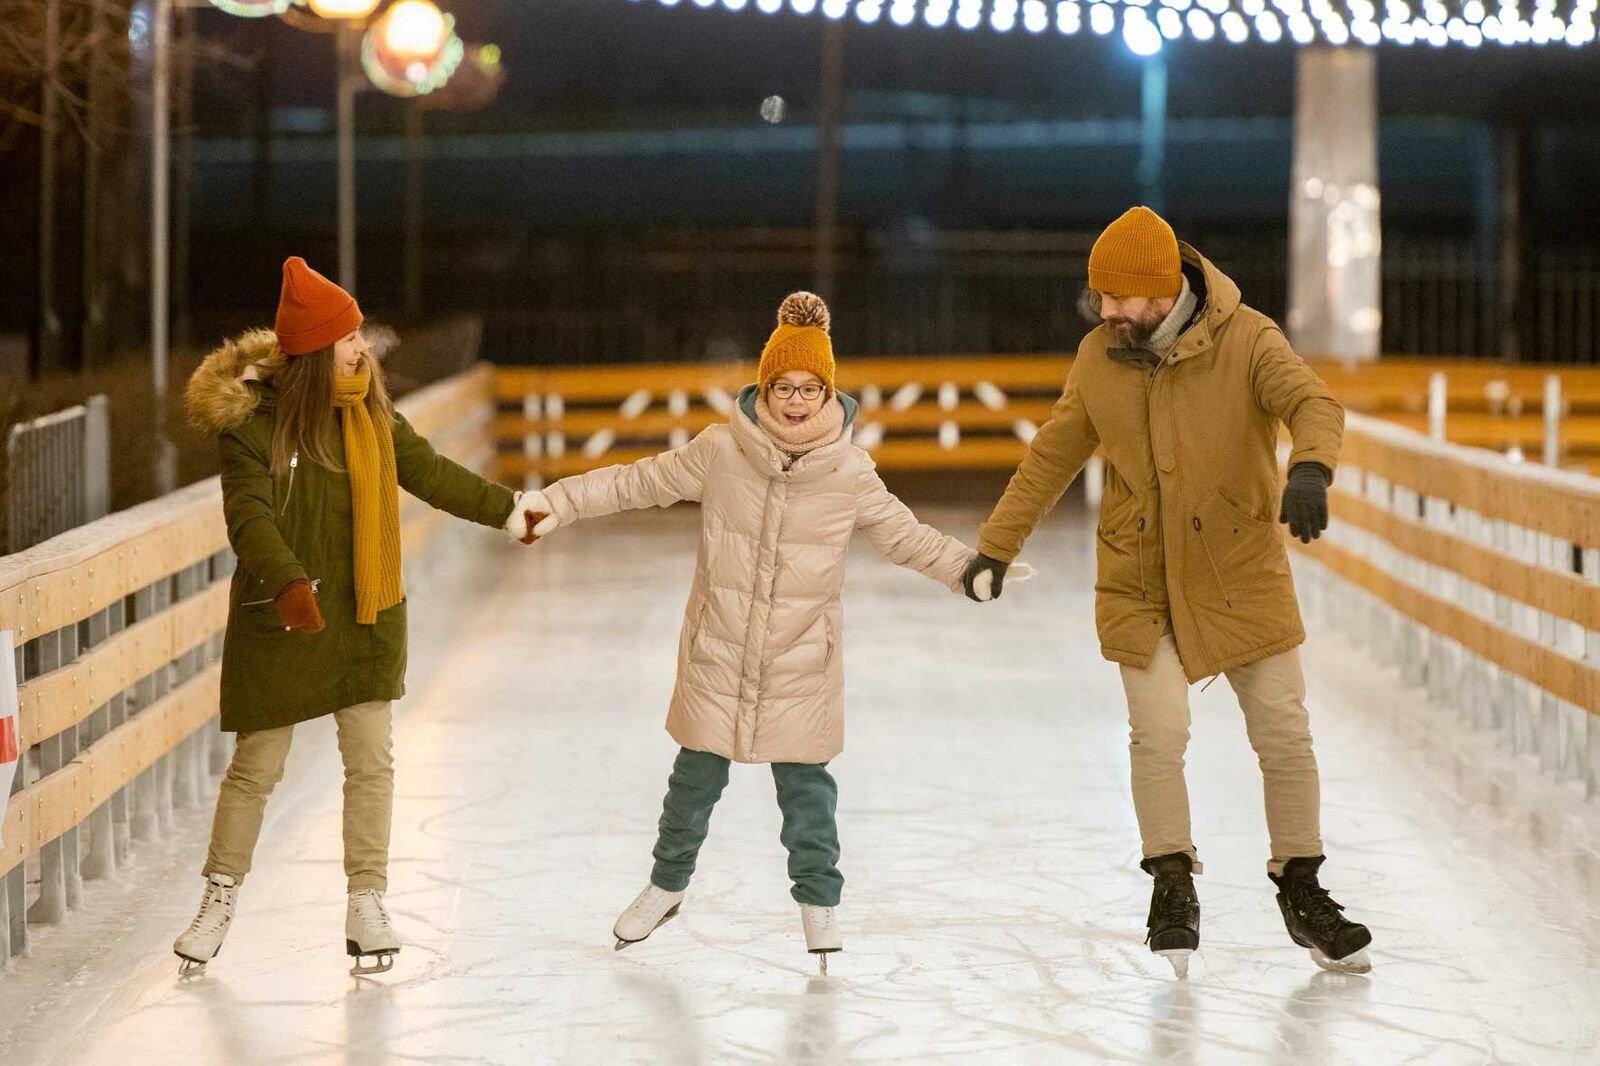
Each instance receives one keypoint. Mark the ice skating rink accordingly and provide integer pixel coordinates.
(993, 910)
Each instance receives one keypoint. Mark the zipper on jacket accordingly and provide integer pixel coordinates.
(1142, 595)
(1213, 561)
(294, 461)
(316, 583)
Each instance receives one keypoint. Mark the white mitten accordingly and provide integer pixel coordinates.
(531, 510)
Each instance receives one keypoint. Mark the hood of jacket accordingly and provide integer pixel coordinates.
(228, 387)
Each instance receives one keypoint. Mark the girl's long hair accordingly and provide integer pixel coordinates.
(306, 415)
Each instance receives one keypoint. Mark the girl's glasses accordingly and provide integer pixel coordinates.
(783, 390)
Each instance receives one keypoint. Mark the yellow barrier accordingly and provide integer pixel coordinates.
(978, 412)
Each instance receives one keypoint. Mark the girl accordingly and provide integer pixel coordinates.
(313, 457)
(759, 673)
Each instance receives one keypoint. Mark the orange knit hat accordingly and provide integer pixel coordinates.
(1137, 255)
(800, 342)
(313, 312)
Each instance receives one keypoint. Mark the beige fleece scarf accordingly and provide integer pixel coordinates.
(822, 428)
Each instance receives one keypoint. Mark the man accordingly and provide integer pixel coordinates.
(1183, 388)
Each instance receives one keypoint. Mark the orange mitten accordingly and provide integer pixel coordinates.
(297, 606)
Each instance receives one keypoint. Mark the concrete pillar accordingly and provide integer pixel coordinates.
(1335, 295)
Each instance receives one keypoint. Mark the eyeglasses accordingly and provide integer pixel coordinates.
(783, 390)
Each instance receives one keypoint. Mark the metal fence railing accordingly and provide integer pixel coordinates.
(58, 473)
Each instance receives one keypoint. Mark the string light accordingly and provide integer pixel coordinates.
(1146, 26)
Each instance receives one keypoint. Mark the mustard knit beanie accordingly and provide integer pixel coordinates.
(1137, 255)
(800, 342)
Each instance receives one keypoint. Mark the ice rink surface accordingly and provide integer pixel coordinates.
(993, 910)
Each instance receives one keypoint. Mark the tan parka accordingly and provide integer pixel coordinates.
(1188, 523)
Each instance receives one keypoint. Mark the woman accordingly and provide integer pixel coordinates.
(313, 458)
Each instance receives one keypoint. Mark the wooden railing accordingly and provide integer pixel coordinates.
(118, 626)
(1479, 578)
(979, 412)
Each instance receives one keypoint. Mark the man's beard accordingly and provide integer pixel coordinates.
(1135, 333)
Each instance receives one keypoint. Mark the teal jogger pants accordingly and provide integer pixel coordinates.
(808, 797)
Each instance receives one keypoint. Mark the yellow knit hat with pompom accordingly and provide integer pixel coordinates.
(800, 342)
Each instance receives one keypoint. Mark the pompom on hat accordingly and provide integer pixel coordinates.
(313, 312)
(800, 342)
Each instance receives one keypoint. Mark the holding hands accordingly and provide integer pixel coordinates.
(984, 578)
(531, 517)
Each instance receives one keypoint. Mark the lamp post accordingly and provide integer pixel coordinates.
(346, 13)
(166, 458)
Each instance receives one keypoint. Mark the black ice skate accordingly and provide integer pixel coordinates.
(1315, 922)
(1174, 920)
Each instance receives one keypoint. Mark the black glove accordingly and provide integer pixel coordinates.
(1305, 501)
(980, 564)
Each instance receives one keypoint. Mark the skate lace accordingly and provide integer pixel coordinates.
(1176, 901)
(215, 908)
(651, 904)
(369, 908)
(1313, 904)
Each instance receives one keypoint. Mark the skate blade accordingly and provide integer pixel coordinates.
(1179, 958)
(1356, 962)
(822, 958)
(188, 967)
(382, 961)
(665, 918)
(380, 964)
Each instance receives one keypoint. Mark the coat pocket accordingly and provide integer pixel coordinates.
(1120, 544)
(694, 644)
(1241, 552)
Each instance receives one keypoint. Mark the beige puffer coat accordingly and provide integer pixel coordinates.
(760, 676)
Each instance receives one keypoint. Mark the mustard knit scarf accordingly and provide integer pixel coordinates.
(374, 499)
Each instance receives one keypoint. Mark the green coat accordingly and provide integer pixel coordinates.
(286, 528)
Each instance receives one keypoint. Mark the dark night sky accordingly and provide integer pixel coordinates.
(615, 63)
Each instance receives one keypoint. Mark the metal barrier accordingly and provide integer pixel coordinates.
(979, 412)
(1478, 578)
(118, 626)
(58, 473)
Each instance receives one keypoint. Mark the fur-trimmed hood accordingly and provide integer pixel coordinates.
(218, 398)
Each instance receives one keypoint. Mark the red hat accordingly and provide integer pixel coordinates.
(313, 312)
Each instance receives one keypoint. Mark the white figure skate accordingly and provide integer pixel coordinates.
(649, 911)
(202, 941)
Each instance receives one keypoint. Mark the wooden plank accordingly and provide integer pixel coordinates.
(1565, 595)
(52, 805)
(1038, 372)
(1565, 677)
(926, 415)
(981, 453)
(70, 586)
(61, 699)
(439, 408)
(1564, 506)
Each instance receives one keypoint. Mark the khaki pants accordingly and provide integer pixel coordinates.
(365, 744)
(1272, 695)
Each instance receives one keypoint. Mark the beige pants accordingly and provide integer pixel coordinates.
(365, 744)
(1272, 694)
